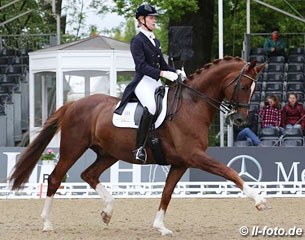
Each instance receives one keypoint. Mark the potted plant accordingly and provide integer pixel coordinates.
(48, 157)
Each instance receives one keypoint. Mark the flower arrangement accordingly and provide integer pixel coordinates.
(49, 155)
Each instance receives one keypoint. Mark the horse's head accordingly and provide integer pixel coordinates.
(238, 91)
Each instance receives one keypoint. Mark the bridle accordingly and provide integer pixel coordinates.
(224, 106)
(234, 101)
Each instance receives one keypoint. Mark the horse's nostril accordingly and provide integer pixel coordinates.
(239, 121)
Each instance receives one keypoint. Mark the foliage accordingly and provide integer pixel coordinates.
(49, 155)
(263, 20)
(173, 8)
(130, 30)
(33, 22)
(76, 15)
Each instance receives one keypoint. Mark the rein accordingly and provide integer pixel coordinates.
(177, 100)
(223, 106)
(234, 101)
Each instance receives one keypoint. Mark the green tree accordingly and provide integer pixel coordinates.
(198, 14)
(39, 20)
(263, 20)
(77, 15)
(130, 29)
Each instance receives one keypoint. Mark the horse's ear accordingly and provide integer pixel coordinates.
(251, 66)
(260, 67)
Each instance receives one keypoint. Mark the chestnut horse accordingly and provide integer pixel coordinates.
(87, 123)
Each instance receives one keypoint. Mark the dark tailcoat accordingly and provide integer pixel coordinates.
(149, 61)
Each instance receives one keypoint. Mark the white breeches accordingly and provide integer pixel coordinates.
(145, 92)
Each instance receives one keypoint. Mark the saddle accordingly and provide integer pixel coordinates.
(131, 116)
(132, 112)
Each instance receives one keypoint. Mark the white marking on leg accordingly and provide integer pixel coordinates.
(107, 198)
(159, 223)
(252, 193)
(45, 215)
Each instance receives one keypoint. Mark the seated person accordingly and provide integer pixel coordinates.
(270, 114)
(293, 113)
(247, 134)
(275, 45)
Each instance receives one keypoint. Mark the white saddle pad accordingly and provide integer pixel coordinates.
(126, 120)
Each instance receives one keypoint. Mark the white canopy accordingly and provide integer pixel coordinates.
(74, 70)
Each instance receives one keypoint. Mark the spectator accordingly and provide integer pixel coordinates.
(270, 114)
(249, 135)
(275, 45)
(248, 132)
(293, 113)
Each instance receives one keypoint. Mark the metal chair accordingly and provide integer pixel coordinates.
(258, 58)
(296, 59)
(244, 143)
(256, 97)
(274, 77)
(295, 67)
(296, 51)
(295, 77)
(293, 137)
(276, 59)
(257, 51)
(275, 67)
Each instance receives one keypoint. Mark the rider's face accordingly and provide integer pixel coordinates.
(151, 22)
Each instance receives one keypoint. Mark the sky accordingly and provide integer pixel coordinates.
(107, 21)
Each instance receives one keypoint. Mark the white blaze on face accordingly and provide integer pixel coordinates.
(252, 89)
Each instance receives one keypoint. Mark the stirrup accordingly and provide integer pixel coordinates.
(139, 154)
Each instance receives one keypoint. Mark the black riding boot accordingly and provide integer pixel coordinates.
(145, 123)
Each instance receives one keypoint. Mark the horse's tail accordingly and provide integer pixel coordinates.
(33, 152)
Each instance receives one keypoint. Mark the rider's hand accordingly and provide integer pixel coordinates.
(170, 75)
(181, 73)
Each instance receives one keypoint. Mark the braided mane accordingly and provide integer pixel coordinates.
(215, 62)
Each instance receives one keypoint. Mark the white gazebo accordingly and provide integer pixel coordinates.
(70, 71)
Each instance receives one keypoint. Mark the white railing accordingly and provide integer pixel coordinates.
(154, 190)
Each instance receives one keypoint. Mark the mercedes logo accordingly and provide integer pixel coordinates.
(248, 168)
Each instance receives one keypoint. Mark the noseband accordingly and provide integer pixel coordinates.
(225, 106)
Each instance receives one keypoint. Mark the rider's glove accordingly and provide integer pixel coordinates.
(170, 75)
(182, 74)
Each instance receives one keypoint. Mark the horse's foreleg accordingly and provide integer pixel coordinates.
(173, 177)
(204, 162)
(91, 175)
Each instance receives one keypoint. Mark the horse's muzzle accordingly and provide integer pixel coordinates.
(239, 119)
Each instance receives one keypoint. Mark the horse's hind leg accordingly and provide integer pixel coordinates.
(91, 176)
(173, 177)
(68, 156)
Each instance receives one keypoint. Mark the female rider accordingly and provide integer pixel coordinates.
(150, 66)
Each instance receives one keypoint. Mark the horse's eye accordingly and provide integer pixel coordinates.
(245, 88)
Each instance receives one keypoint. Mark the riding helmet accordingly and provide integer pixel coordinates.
(146, 10)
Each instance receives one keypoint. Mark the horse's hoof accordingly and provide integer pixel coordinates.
(47, 229)
(166, 232)
(263, 206)
(163, 230)
(106, 217)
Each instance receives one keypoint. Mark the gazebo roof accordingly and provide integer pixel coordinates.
(91, 43)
